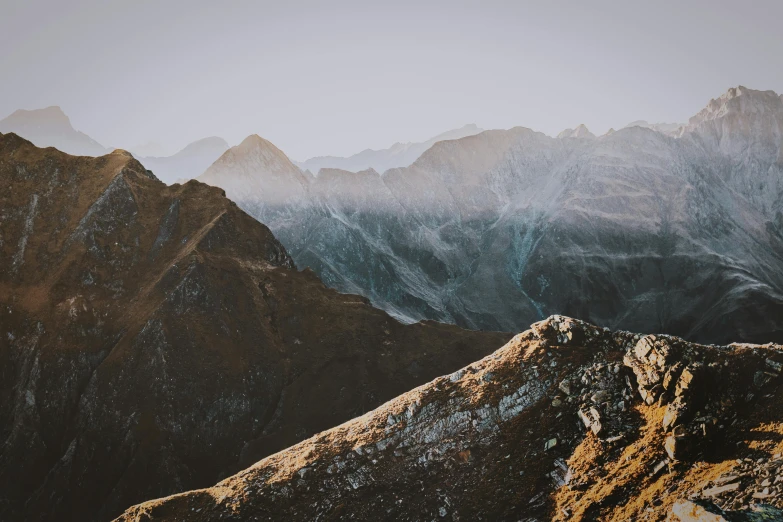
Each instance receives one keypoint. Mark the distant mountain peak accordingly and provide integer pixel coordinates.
(739, 99)
(51, 127)
(581, 131)
(52, 116)
(262, 150)
(400, 154)
(256, 163)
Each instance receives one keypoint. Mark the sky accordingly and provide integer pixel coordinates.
(336, 77)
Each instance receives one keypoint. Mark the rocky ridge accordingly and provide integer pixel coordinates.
(156, 339)
(567, 421)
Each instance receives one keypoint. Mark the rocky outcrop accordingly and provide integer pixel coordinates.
(156, 339)
(635, 229)
(565, 422)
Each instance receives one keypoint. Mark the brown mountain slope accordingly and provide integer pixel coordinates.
(155, 339)
(565, 422)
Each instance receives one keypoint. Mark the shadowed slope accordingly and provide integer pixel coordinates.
(155, 339)
(565, 422)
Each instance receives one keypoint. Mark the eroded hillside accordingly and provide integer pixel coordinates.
(565, 422)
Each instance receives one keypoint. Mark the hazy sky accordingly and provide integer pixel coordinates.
(335, 77)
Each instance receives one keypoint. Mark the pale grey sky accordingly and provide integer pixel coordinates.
(335, 77)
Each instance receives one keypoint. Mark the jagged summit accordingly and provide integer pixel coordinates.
(566, 422)
(739, 101)
(580, 131)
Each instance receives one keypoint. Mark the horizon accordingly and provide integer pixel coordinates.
(345, 81)
(168, 153)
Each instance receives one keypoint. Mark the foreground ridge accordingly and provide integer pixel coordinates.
(156, 339)
(567, 421)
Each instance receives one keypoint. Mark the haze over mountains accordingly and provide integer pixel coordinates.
(635, 229)
(50, 127)
(398, 155)
(156, 339)
(179, 167)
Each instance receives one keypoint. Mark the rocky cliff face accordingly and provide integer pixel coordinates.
(636, 229)
(565, 422)
(155, 339)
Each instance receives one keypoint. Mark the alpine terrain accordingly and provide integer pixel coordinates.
(566, 422)
(675, 229)
(156, 338)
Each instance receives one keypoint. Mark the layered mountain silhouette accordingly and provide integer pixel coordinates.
(636, 229)
(398, 155)
(566, 422)
(187, 163)
(156, 338)
(50, 127)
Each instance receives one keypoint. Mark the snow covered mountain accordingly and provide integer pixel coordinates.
(50, 127)
(398, 155)
(636, 229)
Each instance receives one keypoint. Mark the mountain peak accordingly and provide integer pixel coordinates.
(581, 131)
(51, 127)
(737, 100)
(264, 150)
(48, 116)
(258, 163)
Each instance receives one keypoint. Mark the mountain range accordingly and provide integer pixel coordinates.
(156, 338)
(398, 155)
(50, 127)
(642, 229)
(182, 166)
